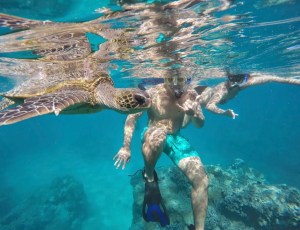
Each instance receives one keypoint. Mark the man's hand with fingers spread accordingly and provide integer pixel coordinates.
(191, 108)
(122, 157)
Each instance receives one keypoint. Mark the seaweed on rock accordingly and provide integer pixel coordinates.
(239, 198)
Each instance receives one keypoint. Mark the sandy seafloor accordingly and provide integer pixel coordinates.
(266, 135)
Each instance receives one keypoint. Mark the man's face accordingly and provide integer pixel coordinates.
(237, 79)
(177, 85)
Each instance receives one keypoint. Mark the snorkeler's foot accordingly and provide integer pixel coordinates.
(191, 227)
(146, 179)
(154, 209)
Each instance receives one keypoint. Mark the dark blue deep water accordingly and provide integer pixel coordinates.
(266, 134)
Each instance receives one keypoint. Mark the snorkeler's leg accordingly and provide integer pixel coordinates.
(154, 140)
(194, 170)
(154, 209)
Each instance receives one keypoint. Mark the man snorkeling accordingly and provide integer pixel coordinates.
(174, 105)
(172, 102)
(210, 97)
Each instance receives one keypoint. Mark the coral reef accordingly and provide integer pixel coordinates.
(63, 205)
(239, 198)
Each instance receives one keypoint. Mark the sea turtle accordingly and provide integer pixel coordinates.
(69, 95)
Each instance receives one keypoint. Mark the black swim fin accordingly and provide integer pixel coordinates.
(154, 209)
(191, 227)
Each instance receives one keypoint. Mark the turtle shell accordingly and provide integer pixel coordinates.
(56, 76)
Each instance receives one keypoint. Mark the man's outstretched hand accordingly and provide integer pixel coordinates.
(122, 158)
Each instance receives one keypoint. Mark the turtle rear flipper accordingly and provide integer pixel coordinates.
(14, 22)
(36, 106)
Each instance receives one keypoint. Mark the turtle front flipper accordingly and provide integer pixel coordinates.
(36, 106)
(14, 22)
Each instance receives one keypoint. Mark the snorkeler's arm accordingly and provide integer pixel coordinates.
(198, 117)
(259, 79)
(129, 128)
(186, 120)
(124, 154)
(193, 112)
(220, 93)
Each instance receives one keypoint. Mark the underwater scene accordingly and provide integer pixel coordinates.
(96, 94)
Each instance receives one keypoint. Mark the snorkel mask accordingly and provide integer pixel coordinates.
(237, 79)
(178, 84)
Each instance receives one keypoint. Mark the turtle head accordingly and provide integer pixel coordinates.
(124, 100)
(131, 100)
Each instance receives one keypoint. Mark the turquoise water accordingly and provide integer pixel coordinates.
(266, 134)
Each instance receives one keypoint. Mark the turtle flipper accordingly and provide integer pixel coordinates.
(36, 106)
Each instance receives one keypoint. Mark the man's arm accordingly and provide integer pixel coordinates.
(220, 92)
(195, 115)
(124, 154)
(192, 109)
(198, 117)
(259, 79)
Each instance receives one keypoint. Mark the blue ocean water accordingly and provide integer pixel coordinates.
(266, 133)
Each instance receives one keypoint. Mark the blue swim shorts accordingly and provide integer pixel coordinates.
(176, 147)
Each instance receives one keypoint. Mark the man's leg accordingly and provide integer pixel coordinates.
(193, 168)
(154, 140)
(154, 209)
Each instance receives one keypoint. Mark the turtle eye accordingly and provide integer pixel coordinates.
(140, 99)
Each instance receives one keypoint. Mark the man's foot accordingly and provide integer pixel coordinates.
(145, 178)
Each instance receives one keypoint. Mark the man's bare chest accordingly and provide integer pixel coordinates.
(165, 106)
